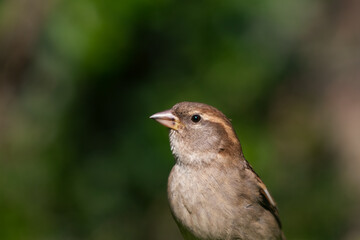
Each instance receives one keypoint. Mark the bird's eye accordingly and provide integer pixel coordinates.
(195, 118)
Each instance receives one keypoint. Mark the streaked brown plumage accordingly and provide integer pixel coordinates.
(213, 192)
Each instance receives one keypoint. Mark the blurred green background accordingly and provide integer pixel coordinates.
(79, 158)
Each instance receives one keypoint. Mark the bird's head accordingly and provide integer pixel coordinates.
(198, 132)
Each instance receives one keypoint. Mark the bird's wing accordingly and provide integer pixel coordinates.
(266, 199)
(268, 202)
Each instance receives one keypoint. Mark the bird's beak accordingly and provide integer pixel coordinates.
(167, 119)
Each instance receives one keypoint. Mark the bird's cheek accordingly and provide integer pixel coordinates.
(209, 142)
(181, 128)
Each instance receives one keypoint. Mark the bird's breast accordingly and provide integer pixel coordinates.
(200, 201)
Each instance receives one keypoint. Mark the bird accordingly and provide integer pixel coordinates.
(213, 192)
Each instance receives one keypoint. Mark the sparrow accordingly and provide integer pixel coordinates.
(213, 192)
